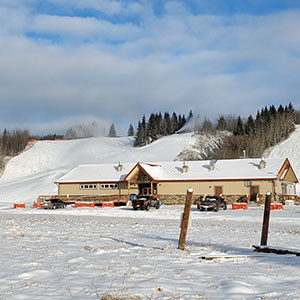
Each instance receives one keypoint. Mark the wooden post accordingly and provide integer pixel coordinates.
(265, 227)
(185, 219)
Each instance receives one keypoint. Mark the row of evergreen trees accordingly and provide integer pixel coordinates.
(270, 126)
(156, 126)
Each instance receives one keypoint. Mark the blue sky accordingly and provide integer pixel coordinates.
(64, 62)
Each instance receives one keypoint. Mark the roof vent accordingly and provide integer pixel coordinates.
(120, 167)
(185, 168)
(212, 164)
(262, 163)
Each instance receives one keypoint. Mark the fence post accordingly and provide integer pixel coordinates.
(185, 219)
(265, 227)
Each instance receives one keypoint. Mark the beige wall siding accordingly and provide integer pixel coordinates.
(74, 189)
(237, 187)
(204, 187)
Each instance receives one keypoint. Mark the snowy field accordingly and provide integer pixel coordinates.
(87, 253)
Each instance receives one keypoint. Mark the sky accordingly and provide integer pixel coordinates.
(65, 62)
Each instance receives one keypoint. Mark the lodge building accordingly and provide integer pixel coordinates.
(234, 178)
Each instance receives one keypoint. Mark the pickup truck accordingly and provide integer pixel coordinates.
(145, 202)
(213, 203)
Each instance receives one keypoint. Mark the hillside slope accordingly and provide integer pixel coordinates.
(289, 148)
(33, 172)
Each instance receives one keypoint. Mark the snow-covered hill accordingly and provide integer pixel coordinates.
(289, 148)
(33, 172)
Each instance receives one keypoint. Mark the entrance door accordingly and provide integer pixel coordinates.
(146, 191)
(218, 190)
(254, 190)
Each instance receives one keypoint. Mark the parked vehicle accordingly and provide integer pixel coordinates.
(54, 203)
(145, 202)
(213, 203)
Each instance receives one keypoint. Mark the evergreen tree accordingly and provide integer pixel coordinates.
(221, 124)
(239, 127)
(190, 115)
(112, 131)
(140, 138)
(181, 121)
(174, 123)
(152, 128)
(166, 124)
(130, 131)
(250, 126)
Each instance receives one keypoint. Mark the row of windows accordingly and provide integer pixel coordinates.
(109, 186)
(88, 186)
(102, 186)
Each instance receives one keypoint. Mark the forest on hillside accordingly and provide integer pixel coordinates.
(250, 136)
(254, 135)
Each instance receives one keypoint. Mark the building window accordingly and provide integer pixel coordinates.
(88, 186)
(109, 186)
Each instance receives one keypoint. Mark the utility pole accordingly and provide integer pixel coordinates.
(265, 227)
(185, 219)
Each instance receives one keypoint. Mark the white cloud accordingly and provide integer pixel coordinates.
(178, 61)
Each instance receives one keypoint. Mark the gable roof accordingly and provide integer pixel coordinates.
(230, 169)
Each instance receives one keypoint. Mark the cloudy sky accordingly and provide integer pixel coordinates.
(70, 61)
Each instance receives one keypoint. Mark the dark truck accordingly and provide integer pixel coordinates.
(145, 202)
(213, 203)
(54, 203)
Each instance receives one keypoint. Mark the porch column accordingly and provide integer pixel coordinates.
(152, 188)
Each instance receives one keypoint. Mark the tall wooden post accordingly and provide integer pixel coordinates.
(185, 219)
(265, 227)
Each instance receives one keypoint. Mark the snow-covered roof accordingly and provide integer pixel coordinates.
(97, 173)
(165, 171)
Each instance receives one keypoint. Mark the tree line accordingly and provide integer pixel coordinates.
(157, 126)
(255, 135)
(12, 142)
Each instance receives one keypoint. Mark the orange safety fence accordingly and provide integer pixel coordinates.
(239, 206)
(108, 204)
(19, 205)
(37, 205)
(84, 204)
(276, 206)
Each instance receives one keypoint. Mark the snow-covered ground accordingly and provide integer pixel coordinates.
(87, 253)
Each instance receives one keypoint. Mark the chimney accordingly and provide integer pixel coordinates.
(120, 167)
(185, 168)
(212, 164)
(262, 163)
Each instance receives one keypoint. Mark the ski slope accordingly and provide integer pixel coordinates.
(33, 172)
(289, 148)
